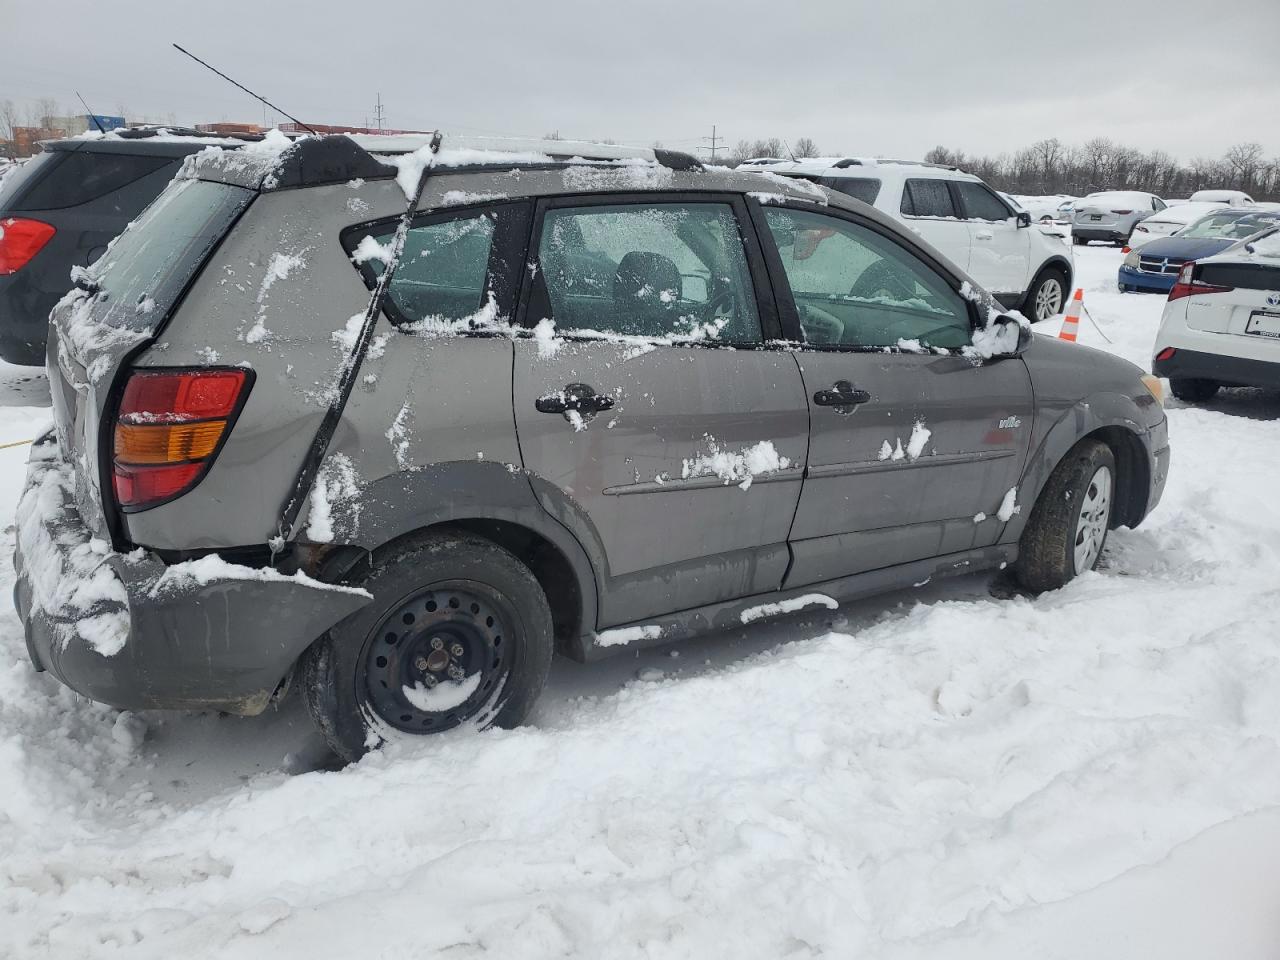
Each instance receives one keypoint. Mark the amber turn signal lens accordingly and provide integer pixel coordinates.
(167, 443)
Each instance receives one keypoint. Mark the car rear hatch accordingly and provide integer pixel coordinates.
(1101, 214)
(1241, 298)
(118, 306)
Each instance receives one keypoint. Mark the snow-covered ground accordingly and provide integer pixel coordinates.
(939, 773)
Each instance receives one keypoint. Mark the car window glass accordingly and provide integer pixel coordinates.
(652, 270)
(980, 203)
(83, 176)
(441, 275)
(865, 189)
(854, 287)
(927, 198)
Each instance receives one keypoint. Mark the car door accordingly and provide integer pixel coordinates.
(654, 419)
(929, 209)
(912, 445)
(1000, 249)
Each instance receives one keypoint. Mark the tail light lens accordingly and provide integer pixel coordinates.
(1188, 286)
(1123, 213)
(169, 426)
(20, 240)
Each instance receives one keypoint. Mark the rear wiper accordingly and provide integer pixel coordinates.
(84, 280)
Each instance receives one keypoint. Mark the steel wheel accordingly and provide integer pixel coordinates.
(1048, 298)
(1094, 516)
(438, 657)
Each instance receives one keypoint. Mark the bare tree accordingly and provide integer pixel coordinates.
(806, 147)
(45, 109)
(9, 118)
(1244, 159)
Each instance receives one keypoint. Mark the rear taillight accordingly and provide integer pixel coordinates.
(1166, 354)
(1187, 286)
(168, 428)
(1123, 213)
(20, 240)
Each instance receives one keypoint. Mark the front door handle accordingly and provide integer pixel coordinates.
(985, 235)
(842, 395)
(577, 398)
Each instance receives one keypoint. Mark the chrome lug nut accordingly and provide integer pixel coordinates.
(457, 650)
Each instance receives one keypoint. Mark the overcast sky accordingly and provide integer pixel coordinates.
(887, 78)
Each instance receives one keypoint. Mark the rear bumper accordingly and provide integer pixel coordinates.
(127, 630)
(1112, 234)
(1131, 279)
(1226, 370)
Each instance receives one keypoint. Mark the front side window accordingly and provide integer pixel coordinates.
(442, 274)
(856, 288)
(980, 203)
(927, 198)
(652, 270)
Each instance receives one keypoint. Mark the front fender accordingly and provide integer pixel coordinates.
(1101, 415)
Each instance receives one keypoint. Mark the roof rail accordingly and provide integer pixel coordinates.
(558, 151)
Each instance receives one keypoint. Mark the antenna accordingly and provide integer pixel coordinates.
(89, 110)
(244, 88)
(789, 153)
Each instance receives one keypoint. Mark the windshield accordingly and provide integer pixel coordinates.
(1228, 226)
(147, 267)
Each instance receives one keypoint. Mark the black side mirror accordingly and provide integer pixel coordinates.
(1006, 336)
(1024, 218)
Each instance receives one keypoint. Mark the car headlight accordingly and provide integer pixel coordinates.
(1131, 259)
(1154, 386)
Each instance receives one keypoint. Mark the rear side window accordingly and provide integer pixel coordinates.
(83, 176)
(648, 270)
(15, 181)
(147, 267)
(865, 189)
(927, 198)
(442, 271)
(980, 203)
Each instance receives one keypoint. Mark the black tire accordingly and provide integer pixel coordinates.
(450, 594)
(1044, 279)
(1194, 390)
(1047, 552)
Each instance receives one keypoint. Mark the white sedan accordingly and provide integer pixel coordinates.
(1169, 222)
(1221, 326)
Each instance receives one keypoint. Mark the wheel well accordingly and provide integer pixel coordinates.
(1133, 474)
(1057, 263)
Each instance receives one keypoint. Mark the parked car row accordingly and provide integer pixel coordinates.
(401, 450)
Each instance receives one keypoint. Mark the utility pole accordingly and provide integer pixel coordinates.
(714, 141)
(377, 113)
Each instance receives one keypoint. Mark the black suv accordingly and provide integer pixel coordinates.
(61, 209)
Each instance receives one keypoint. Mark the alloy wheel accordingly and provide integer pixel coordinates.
(1048, 299)
(1091, 524)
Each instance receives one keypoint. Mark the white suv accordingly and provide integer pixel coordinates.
(968, 222)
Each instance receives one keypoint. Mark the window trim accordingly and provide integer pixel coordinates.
(501, 275)
(790, 316)
(757, 269)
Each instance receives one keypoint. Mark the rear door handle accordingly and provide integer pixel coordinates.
(575, 397)
(985, 235)
(842, 395)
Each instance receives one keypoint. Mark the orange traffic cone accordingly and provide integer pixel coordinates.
(1071, 322)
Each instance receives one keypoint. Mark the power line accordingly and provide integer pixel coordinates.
(711, 150)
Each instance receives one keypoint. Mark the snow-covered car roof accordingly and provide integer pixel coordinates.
(1185, 213)
(1117, 196)
(1232, 197)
